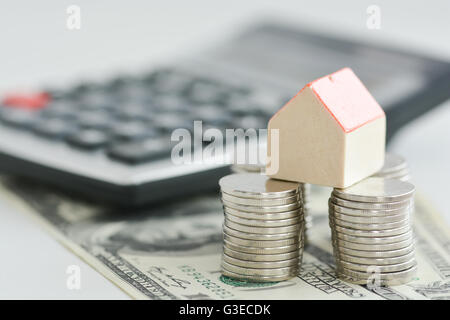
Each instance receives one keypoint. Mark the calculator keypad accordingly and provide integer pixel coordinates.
(131, 119)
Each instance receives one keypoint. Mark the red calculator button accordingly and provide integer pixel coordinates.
(27, 101)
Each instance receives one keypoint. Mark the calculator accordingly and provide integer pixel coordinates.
(111, 140)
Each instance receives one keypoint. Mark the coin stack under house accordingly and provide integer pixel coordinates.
(306, 196)
(372, 233)
(263, 230)
(305, 189)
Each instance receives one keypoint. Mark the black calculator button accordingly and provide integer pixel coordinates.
(96, 101)
(142, 151)
(95, 119)
(171, 104)
(61, 110)
(82, 89)
(56, 94)
(88, 138)
(132, 111)
(203, 92)
(136, 94)
(54, 128)
(119, 83)
(133, 130)
(169, 122)
(171, 82)
(18, 117)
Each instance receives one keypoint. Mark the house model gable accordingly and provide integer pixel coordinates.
(331, 133)
(347, 99)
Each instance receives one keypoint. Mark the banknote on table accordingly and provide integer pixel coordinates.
(174, 251)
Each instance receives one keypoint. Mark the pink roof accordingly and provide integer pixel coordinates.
(347, 99)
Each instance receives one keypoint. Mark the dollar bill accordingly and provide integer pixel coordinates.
(174, 251)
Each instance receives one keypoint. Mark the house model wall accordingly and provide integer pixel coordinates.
(331, 133)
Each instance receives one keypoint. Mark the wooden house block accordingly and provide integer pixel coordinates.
(331, 133)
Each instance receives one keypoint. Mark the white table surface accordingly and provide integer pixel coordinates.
(37, 49)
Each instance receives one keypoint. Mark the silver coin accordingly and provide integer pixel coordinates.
(380, 268)
(256, 250)
(370, 233)
(397, 278)
(392, 163)
(261, 243)
(264, 216)
(261, 265)
(306, 187)
(382, 213)
(268, 272)
(265, 223)
(406, 178)
(376, 261)
(262, 237)
(394, 175)
(370, 206)
(248, 168)
(374, 254)
(382, 276)
(373, 247)
(371, 227)
(262, 257)
(400, 177)
(262, 209)
(263, 230)
(258, 278)
(369, 220)
(377, 190)
(261, 202)
(254, 185)
(373, 240)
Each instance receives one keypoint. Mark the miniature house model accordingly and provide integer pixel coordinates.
(331, 133)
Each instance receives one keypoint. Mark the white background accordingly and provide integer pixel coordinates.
(37, 49)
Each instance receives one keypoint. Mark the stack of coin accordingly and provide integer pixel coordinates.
(372, 233)
(395, 167)
(306, 193)
(263, 230)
